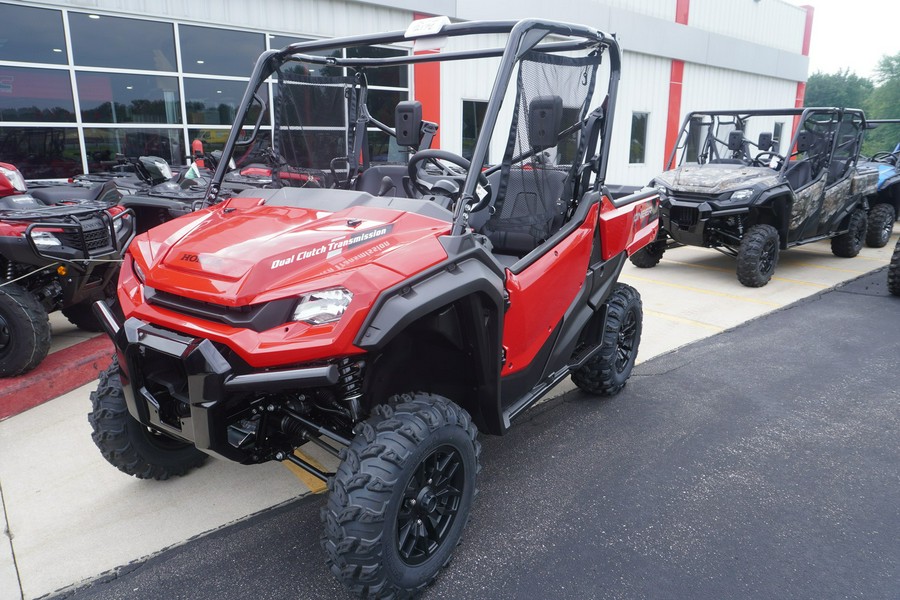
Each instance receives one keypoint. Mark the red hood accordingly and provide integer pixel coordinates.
(236, 254)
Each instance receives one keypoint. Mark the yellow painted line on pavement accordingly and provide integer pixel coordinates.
(703, 291)
(829, 268)
(774, 277)
(883, 261)
(677, 319)
(315, 485)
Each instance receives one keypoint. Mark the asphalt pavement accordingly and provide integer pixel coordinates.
(761, 462)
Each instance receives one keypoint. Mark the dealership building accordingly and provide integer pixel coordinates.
(82, 81)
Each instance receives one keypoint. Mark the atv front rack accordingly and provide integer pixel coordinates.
(70, 225)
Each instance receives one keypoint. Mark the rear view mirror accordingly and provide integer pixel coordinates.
(804, 141)
(544, 120)
(765, 141)
(736, 140)
(408, 123)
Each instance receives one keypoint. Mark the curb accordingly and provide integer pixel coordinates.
(59, 373)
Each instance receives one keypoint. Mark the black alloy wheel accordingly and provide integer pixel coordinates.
(880, 226)
(400, 498)
(758, 256)
(430, 505)
(626, 348)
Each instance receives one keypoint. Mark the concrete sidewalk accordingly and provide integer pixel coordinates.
(70, 517)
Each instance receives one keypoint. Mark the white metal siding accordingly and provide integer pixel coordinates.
(644, 87)
(661, 9)
(772, 23)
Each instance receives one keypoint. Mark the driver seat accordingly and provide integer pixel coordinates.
(531, 209)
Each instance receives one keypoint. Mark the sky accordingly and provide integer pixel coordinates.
(852, 34)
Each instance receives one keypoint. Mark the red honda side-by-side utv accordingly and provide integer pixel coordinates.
(385, 312)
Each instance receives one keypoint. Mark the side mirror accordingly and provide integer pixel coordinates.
(544, 121)
(736, 140)
(408, 123)
(765, 141)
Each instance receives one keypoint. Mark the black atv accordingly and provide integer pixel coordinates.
(734, 186)
(60, 248)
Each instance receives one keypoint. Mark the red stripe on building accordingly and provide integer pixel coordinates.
(682, 8)
(427, 84)
(807, 36)
(673, 120)
(676, 78)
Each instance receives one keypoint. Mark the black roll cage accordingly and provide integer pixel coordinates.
(525, 35)
(741, 115)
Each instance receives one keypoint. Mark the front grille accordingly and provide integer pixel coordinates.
(96, 236)
(258, 317)
(684, 216)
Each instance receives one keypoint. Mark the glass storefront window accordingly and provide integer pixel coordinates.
(219, 51)
(312, 105)
(214, 139)
(32, 35)
(43, 95)
(102, 41)
(215, 102)
(42, 152)
(277, 42)
(382, 104)
(102, 145)
(136, 98)
(386, 76)
(383, 148)
(473, 117)
(311, 149)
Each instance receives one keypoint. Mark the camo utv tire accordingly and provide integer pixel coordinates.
(894, 271)
(880, 226)
(24, 331)
(129, 446)
(848, 245)
(401, 496)
(649, 256)
(607, 371)
(758, 256)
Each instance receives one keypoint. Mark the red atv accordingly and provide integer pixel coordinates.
(384, 312)
(60, 248)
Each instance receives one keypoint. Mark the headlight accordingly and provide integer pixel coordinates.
(15, 179)
(741, 195)
(138, 272)
(45, 239)
(119, 222)
(324, 306)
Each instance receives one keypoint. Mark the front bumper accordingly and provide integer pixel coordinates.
(689, 222)
(185, 387)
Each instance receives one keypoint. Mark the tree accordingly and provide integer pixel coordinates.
(884, 103)
(843, 89)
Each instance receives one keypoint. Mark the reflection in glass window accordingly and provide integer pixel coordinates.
(120, 98)
(214, 139)
(387, 76)
(35, 95)
(101, 41)
(276, 42)
(311, 149)
(102, 145)
(310, 105)
(638, 149)
(382, 104)
(42, 152)
(219, 51)
(215, 102)
(383, 148)
(473, 117)
(32, 35)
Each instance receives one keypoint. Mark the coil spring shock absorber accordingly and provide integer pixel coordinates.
(350, 384)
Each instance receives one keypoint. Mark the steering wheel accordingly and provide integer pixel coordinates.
(760, 160)
(414, 170)
(885, 157)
